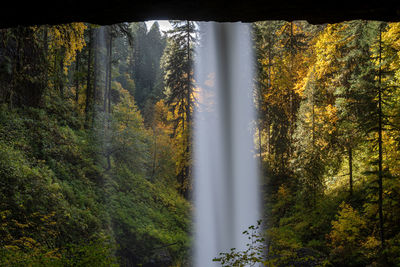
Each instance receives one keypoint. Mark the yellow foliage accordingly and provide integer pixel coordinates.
(67, 36)
(346, 229)
(20, 225)
(285, 72)
(160, 117)
(283, 192)
(327, 48)
(392, 36)
(370, 246)
(26, 242)
(325, 120)
(392, 152)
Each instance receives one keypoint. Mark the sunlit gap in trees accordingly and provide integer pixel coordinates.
(164, 25)
(225, 170)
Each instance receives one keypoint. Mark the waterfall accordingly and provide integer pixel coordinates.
(226, 197)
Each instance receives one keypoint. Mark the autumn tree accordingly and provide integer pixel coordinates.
(177, 64)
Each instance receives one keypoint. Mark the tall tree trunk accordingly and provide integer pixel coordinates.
(77, 79)
(269, 138)
(269, 85)
(380, 171)
(95, 67)
(187, 168)
(89, 95)
(259, 126)
(313, 118)
(350, 151)
(61, 75)
(259, 142)
(109, 74)
(45, 56)
(106, 73)
(188, 74)
(315, 178)
(291, 93)
(154, 153)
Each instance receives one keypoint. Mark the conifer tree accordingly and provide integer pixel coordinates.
(178, 79)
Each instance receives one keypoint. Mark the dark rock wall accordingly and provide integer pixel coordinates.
(25, 12)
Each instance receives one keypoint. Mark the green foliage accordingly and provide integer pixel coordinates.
(94, 253)
(327, 132)
(346, 236)
(249, 257)
(48, 171)
(57, 199)
(287, 250)
(154, 217)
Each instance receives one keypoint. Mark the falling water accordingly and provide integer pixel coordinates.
(226, 179)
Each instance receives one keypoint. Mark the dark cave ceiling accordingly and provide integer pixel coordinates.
(43, 12)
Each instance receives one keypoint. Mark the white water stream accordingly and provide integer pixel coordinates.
(225, 171)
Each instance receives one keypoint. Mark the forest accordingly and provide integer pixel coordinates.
(96, 144)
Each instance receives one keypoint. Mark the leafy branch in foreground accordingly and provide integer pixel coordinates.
(252, 255)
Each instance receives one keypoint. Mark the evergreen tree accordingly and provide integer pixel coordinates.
(148, 48)
(177, 64)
